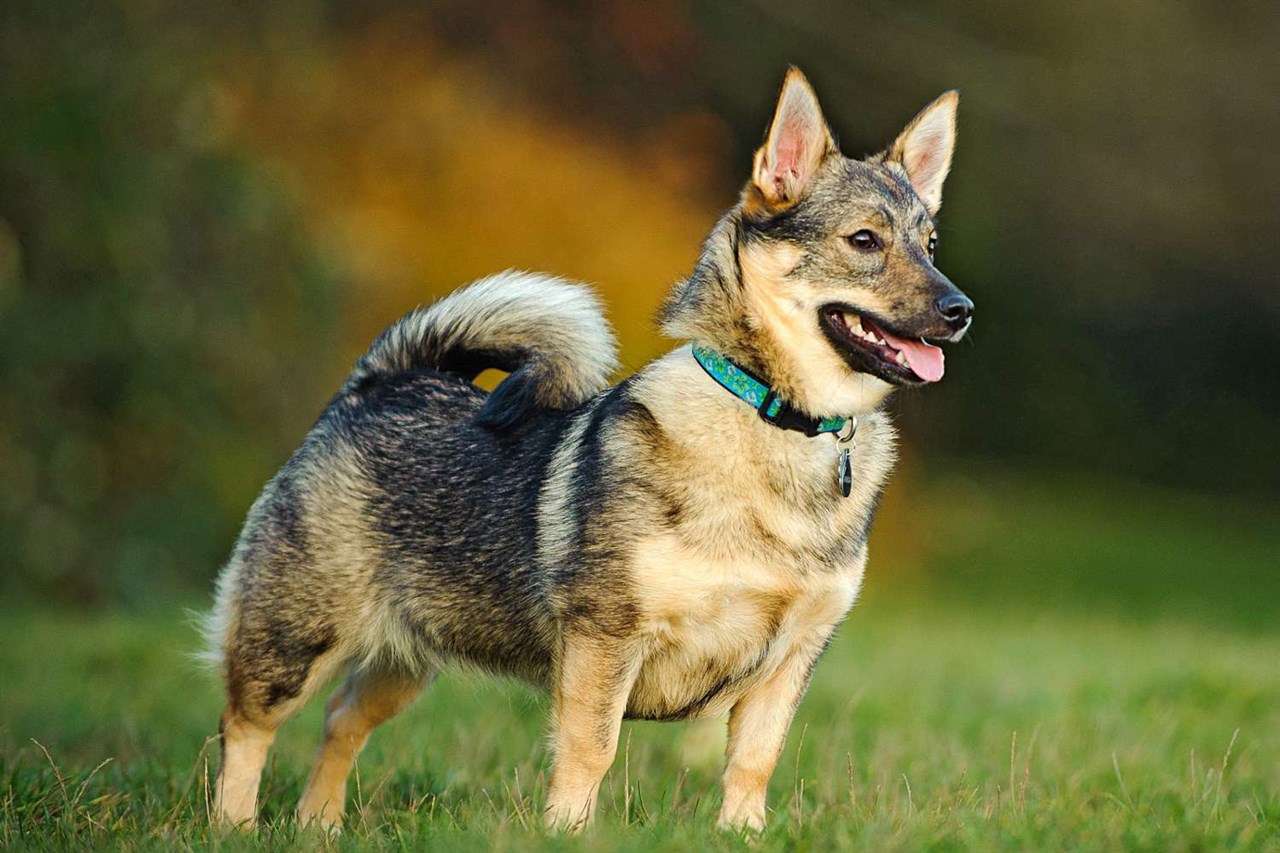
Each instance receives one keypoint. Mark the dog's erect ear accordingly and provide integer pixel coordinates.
(797, 143)
(924, 148)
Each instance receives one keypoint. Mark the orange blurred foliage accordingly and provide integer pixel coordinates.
(415, 171)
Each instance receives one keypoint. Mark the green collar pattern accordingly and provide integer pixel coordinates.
(747, 387)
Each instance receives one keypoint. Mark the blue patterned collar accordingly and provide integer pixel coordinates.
(749, 388)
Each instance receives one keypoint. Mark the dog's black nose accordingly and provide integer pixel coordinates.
(955, 308)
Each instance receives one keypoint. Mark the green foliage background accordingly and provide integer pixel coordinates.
(172, 317)
(955, 713)
(158, 298)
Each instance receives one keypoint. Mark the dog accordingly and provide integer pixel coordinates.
(680, 545)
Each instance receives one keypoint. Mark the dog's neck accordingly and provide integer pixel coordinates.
(771, 406)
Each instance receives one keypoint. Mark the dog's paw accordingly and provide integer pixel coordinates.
(567, 819)
(226, 825)
(321, 824)
(743, 818)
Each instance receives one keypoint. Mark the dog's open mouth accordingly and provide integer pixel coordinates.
(891, 357)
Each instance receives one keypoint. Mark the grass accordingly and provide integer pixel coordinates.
(983, 702)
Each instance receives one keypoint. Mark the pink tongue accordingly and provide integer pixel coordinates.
(925, 360)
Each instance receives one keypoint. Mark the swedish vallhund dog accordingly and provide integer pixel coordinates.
(680, 545)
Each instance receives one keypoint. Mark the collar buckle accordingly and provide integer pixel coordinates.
(774, 410)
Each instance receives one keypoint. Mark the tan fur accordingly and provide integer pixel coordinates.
(244, 753)
(758, 729)
(554, 516)
(587, 708)
(363, 703)
(724, 610)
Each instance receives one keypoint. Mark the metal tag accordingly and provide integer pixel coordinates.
(844, 466)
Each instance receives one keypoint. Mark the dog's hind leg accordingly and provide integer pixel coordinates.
(272, 670)
(245, 743)
(366, 699)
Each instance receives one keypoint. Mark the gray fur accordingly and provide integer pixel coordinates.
(549, 331)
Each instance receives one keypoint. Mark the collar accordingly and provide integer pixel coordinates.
(746, 386)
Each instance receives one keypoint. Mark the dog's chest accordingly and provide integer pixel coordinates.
(758, 554)
(776, 497)
(715, 628)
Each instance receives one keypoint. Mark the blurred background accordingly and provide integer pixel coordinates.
(207, 211)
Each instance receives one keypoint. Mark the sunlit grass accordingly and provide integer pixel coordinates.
(938, 719)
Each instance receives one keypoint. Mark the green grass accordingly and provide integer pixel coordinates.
(1077, 667)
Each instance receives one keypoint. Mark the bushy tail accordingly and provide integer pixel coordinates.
(549, 334)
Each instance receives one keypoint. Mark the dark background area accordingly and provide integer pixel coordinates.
(206, 212)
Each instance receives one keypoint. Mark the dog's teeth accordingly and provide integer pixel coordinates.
(882, 342)
(853, 323)
(901, 358)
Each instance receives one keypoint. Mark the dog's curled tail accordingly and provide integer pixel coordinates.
(549, 334)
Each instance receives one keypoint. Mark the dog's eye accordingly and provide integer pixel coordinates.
(864, 241)
(933, 245)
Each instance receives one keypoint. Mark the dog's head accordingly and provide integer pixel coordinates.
(836, 254)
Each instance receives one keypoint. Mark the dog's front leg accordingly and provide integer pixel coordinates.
(758, 726)
(595, 678)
